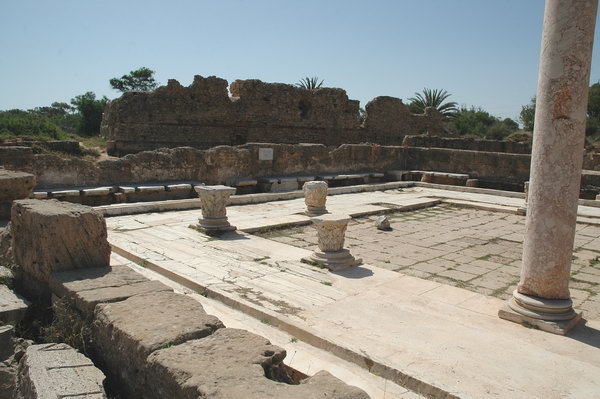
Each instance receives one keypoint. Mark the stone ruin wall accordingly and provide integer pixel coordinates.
(470, 144)
(218, 164)
(203, 115)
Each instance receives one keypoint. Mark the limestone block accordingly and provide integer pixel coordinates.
(126, 332)
(15, 185)
(395, 175)
(97, 191)
(150, 189)
(49, 236)
(12, 305)
(85, 288)
(65, 193)
(56, 371)
(126, 189)
(232, 363)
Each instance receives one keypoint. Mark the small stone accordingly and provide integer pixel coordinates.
(382, 223)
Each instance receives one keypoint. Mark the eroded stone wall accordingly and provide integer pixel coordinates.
(467, 144)
(220, 164)
(203, 115)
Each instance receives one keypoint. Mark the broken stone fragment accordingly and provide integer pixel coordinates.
(382, 223)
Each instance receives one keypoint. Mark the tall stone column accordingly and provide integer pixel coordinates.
(542, 296)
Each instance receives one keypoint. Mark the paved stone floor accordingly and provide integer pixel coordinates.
(473, 249)
(436, 338)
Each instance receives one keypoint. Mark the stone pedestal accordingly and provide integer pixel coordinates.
(214, 213)
(315, 196)
(331, 230)
(542, 297)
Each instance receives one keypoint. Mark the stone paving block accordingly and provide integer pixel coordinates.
(126, 332)
(49, 236)
(57, 371)
(457, 275)
(12, 305)
(590, 278)
(232, 363)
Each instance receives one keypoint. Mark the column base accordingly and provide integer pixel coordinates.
(215, 226)
(335, 260)
(555, 316)
(315, 211)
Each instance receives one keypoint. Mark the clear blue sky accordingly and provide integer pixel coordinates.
(484, 52)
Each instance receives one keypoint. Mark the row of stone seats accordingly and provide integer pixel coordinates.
(274, 184)
(157, 192)
(153, 342)
(454, 179)
(122, 193)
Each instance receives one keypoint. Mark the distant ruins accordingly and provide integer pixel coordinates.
(203, 115)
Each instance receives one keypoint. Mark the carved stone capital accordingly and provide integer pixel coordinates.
(214, 212)
(315, 196)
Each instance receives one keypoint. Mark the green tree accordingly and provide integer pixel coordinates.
(21, 123)
(527, 115)
(432, 98)
(141, 79)
(91, 111)
(473, 120)
(310, 83)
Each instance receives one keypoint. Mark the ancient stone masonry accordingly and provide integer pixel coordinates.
(203, 115)
(223, 164)
(470, 144)
(389, 120)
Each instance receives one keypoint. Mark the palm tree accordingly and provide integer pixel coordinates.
(310, 83)
(433, 98)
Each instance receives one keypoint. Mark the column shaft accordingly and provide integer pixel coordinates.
(558, 142)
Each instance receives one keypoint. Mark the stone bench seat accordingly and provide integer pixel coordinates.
(64, 193)
(277, 184)
(456, 179)
(241, 182)
(243, 185)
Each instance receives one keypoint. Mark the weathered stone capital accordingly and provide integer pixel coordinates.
(315, 197)
(331, 230)
(214, 200)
